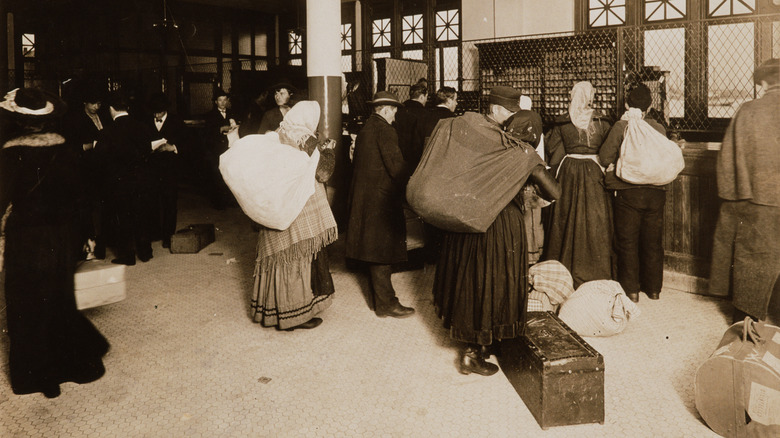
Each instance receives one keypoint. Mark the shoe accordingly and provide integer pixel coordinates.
(653, 295)
(310, 324)
(396, 311)
(471, 361)
(633, 296)
(145, 258)
(51, 391)
(166, 243)
(124, 261)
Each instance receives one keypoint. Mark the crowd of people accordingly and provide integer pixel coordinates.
(75, 182)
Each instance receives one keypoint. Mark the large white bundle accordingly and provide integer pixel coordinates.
(598, 308)
(646, 155)
(270, 180)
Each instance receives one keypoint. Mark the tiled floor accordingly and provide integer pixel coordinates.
(186, 361)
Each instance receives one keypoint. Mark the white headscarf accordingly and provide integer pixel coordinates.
(300, 122)
(580, 111)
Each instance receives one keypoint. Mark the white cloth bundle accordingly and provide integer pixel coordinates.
(646, 155)
(270, 180)
(598, 308)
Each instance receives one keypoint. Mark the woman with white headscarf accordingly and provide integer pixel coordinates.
(292, 279)
(581, 226)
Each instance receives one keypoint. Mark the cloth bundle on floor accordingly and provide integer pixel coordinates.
(470, 170)
(270, 180)
(646, 155)
(598, 308)
(551, 284)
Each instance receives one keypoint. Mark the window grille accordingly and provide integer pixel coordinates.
(603, 13)
(448, 25)
(662, 10)
(380, 31)
(412, 29)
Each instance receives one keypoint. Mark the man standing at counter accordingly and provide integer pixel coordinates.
(746, 247)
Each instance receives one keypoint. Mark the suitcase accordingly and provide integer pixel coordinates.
(98, 283)
(557, 374)
(737, 390)
(192, 239)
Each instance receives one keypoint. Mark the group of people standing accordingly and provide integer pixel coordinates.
(481, 285)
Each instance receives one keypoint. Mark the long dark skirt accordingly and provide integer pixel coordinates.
(581, 227)
(50, 340)
(480, 289)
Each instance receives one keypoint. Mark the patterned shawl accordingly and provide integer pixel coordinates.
(315, 227)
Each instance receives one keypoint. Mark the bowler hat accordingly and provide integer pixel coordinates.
(385, 98)
(769, 71)
(507, 97)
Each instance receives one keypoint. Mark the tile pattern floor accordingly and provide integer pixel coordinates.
(186, 361)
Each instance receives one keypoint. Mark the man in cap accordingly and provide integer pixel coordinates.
(746, 247)
(638, 211)
(168, 132)
(376, 231)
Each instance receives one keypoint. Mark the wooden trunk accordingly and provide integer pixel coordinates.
(192, 239)
(556, 373)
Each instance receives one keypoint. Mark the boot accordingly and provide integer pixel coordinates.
(471, 361)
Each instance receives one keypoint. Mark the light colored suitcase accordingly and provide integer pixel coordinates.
(99, 282)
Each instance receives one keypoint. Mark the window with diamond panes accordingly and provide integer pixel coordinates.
(661, 10)
(447, 25)
(412, 29)
(603, 13)
(730, 63)
(380, 30)
(722, 8)
(295, 42)
(28, 45)
(346, 36)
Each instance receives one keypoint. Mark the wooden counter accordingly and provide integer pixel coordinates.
(690, 216)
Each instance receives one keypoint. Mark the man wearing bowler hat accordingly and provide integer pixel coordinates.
(376, 231)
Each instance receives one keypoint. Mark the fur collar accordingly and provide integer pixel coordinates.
(36, 140)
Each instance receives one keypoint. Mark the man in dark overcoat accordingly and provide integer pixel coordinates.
(376, 231)
(409, 123)
(220, 121)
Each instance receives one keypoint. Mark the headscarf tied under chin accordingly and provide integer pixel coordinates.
(300, 123)
(580, 111)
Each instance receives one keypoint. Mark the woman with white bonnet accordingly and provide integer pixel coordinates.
(581, 227)
(292, 277)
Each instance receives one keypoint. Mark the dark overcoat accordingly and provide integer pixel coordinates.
(376, 231)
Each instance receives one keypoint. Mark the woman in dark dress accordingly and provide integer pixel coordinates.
(480, 287)
(581, 226)
(50, 340)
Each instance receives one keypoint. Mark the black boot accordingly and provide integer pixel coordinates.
(472, 361)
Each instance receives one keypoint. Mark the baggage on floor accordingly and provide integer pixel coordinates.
(556, 373)
(192, 239)
(737, 390)
(98, 283)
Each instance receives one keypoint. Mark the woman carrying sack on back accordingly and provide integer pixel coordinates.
(293, 283)
(580, 234)
(638, 208)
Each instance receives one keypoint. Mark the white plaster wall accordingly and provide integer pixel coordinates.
(502, 18)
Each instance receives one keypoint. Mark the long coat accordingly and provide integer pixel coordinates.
(376, 231)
